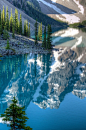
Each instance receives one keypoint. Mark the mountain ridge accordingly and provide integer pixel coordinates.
(63, 9)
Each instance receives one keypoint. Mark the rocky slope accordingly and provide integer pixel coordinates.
(5, 3)
(20, 45)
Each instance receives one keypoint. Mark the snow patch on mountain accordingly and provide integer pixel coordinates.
(66, 17)
(79, 6)
(77, 2)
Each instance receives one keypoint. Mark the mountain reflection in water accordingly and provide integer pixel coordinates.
(45, 80)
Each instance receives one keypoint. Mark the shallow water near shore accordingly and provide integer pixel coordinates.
(52, 87)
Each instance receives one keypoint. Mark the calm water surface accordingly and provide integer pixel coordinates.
(52, 87)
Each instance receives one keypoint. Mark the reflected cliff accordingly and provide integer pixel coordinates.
(66, 72)
(20, 76)
(46, 79)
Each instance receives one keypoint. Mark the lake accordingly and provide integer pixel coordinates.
(52, 87)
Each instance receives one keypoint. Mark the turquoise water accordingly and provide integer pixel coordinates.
(53, 91)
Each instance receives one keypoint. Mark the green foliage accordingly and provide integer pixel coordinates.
(40, 32)
(44, 40)
(8, 46)
(84, 23)
(5, 34)
(49, 39)
(3, 18)
(13, 30)
(7, 19)
(29, 31)
(80, 25)
(16, 116)
(25, 28)
(36, 32)
(20, 25)
(16, 20)
(11, 22)
(34, 4)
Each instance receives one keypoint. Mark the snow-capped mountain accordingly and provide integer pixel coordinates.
(71, 11)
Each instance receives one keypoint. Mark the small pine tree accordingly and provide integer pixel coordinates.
(16, 116)
(44, 40)
(13, 32)
(20, 25)
(3, 18)
(29, 31)
(8, 46)
(11, 21)
(41, 32)
(5, 34)
(48, 45)
(16, 20)
(36, 32)
(24, 28)
(7, 19)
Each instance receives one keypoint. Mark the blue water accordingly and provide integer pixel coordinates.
(54, 98)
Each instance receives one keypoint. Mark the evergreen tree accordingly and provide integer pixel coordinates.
(48, 45)
(16, 116)
(5, 33)
(20, 25)
(24, 28)
(13, 32)
(3, 18)
(44, 40)
(29, 31)
(16, 20)
(41, 32)
(11, 21)
(8, 46)
(7, 19)
(36, 32)
(50, 32)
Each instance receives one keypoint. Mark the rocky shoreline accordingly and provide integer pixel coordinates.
(21, 45)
